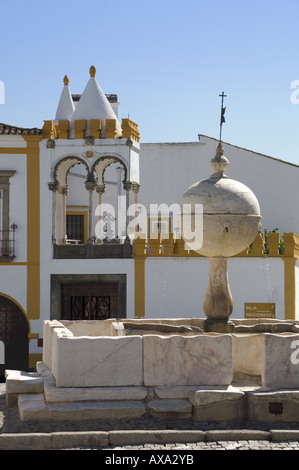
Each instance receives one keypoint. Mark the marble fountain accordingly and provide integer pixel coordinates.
(205, 369)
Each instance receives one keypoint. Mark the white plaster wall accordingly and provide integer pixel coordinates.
(175, 287)
(17, 200)
(256, 280)
(13, 283)
(168, 169)
(12, 141)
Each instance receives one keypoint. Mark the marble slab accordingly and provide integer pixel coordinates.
(281, 361)
(187, 360)
(97, 361)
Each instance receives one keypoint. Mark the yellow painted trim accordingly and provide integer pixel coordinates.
(110, 125)
(80, 128)
(13, 150)
(95, 128)
(85, 214)
(34, 358)
(17, 263)
(289, 289)
(50, 131)
(139, 287)
(33, 226)
(139, 272)
(130, 130)
(63, 129)
(291, 245)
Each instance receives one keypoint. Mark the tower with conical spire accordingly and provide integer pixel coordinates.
(66, 106)
(94, 105)
(93, 116)
(90, 134)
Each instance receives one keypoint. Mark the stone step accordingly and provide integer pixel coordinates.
(21, 382)
(55, 394)
(170, 408)
(34, 407)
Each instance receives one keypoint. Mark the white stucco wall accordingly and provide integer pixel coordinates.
(175, 287)
(17, 200)
(168, 169)
(256, 280)
(13, 283)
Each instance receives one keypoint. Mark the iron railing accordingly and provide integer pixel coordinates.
(7, 241)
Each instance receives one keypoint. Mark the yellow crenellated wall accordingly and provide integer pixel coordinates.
(171, 247)
(62, 129)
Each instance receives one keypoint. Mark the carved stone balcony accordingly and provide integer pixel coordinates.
(108, 249)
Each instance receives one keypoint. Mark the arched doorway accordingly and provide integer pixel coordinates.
(14, 331)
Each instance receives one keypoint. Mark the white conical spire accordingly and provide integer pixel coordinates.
(66, 106)
(93, 104)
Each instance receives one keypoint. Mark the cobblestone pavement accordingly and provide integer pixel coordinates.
(201, 446)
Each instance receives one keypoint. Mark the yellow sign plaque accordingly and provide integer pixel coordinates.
(259, 310)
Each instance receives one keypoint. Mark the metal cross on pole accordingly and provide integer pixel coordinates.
(222, 119)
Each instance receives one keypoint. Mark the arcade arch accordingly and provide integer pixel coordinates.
(80, 192)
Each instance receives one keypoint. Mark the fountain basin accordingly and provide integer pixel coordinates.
(154, 353)
(83, 358)
(163, 368)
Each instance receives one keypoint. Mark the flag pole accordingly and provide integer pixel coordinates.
(222, 118)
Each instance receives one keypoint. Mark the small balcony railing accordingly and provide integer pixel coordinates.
(7, 242)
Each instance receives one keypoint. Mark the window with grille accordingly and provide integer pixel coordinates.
(75, 228)
(91, 301)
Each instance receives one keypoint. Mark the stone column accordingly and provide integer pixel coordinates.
(90, 185)
(63, 191)
(100, 189)
(218, 302)
(135, 188)
(127, 188)
(54, 188)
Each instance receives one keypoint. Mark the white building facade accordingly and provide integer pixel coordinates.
(89, 227)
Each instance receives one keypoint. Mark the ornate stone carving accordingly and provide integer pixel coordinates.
(53, 186)
(50, 144)
(100, 188)
(90, 185)
(89, 140)
(63, 190)
(135, 187)
(127, 185)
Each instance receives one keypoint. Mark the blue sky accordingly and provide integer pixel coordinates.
(167, 61)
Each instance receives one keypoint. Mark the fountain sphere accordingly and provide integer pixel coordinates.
(231, 220)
